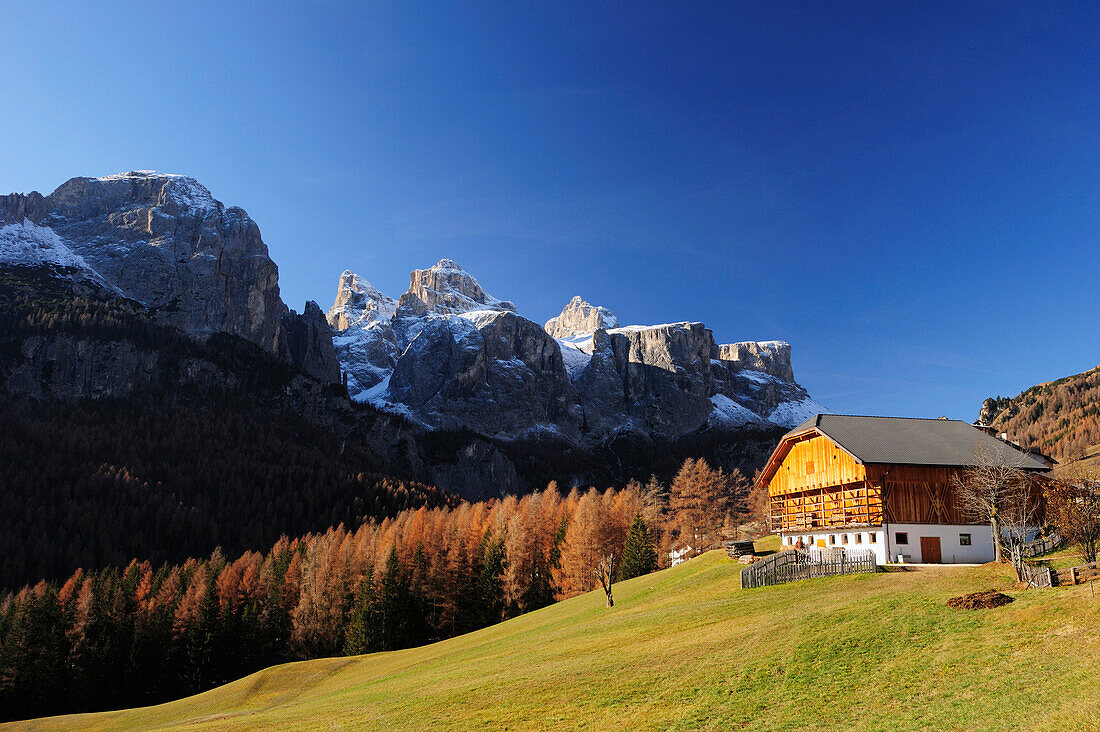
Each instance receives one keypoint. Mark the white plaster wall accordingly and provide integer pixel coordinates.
(951, 550)
(864, 543)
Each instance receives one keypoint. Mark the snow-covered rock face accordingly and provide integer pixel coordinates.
(771, 357)
(580, 318)
(447, 289)
(453, 356)
(27, 243)
(164, 241)
(358, 303)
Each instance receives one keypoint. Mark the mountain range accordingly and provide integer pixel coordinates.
(448, 355)
(446, 383)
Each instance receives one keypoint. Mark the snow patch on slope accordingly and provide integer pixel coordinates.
(793, 413)
(728, 413)
(28, 244)
(574, 358)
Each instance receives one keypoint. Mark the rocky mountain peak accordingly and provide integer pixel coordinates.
(770, 357)
(163, 240)
(171, 194)
(447, 289)
(580, 317)
(358, 302)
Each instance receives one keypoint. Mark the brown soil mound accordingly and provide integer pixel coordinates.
(979, 600)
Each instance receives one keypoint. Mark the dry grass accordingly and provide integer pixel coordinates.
(686, 649)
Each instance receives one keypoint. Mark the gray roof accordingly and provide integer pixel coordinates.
(910, 441)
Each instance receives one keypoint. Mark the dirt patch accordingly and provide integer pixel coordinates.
(979, 600)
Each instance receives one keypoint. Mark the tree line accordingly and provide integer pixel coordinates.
(139, 634)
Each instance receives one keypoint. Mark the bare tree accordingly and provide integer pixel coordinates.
(604, 571)
(1073, 504)
(998, 491)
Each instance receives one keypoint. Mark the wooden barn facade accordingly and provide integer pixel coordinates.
(882, 484)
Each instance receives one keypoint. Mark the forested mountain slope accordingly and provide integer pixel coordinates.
(187, 445)
(1061, 418)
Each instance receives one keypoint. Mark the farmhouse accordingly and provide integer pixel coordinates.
(882, 484)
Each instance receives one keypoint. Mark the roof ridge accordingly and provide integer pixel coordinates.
(880, 416)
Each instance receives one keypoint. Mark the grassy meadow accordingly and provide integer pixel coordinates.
(686, 649)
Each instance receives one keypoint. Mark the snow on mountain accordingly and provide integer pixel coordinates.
(27, 243)
(728, 413)
(790, 414)
(447, 289)
(580, 317)
(448, 354)
(575, 354)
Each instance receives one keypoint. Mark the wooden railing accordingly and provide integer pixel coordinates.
(1076, 575)
(1042, 545)
(797, 564)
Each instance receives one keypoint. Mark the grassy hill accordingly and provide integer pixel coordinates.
(686, 649)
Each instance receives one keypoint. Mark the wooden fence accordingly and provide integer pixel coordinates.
(1077, 575)
(1034, 575)
(1042, 545)
(796, 564)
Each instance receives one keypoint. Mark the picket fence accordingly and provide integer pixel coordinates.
(798, 564)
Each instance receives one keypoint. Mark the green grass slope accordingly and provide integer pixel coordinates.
(686, 649)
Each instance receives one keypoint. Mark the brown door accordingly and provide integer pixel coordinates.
(930, 550)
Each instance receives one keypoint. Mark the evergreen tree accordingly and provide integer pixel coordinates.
(360, 637)
(639, 556)
(393, 606)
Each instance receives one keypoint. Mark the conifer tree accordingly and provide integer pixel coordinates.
(360, 637)
(639, 556)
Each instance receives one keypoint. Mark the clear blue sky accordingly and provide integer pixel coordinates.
(908, 193)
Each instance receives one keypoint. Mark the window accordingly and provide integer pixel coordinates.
(843, 538)
(901, 537)
(964, 539)
(874, 538)
(859, 538)
(832, 538)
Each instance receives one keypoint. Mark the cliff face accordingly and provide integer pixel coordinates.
(769, 357)
(165, 242)
(447, 289)
(359, 303)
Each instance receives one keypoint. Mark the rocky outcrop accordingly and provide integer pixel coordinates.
(308, 344)
(495, 373)
(447, 289)
(665, 376)
(358, 303)
(769, 357)
(165, 242)
(580, 318)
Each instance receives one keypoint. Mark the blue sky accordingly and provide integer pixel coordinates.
(908, 193)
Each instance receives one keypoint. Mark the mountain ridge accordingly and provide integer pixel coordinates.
(1060, 418)
(582, 376)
